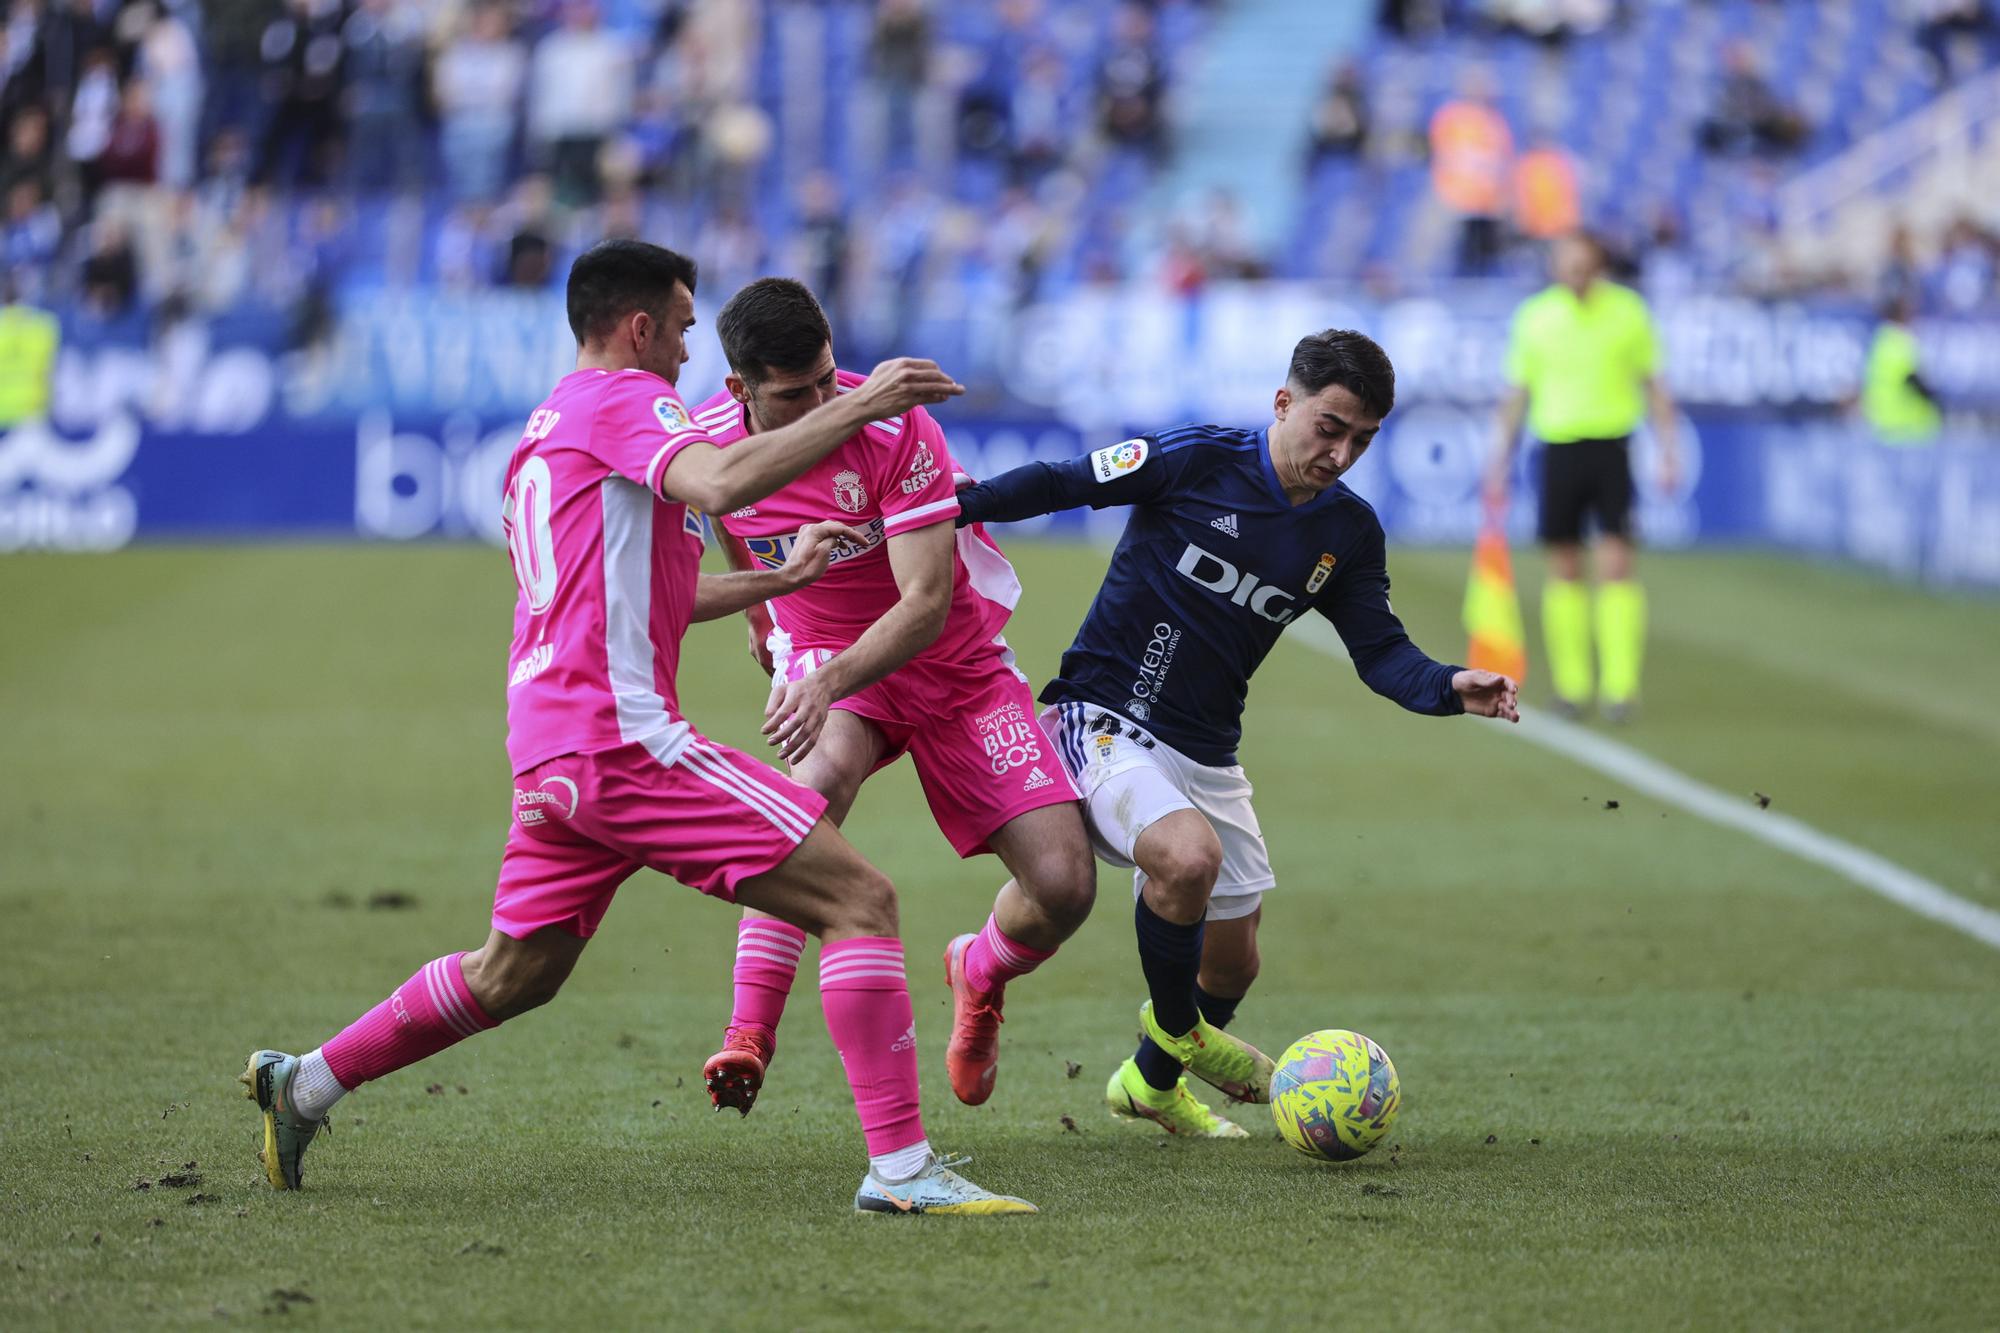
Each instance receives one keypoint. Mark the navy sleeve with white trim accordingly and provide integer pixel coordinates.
(1131, 472)
(1215, 561)
(1385, 659)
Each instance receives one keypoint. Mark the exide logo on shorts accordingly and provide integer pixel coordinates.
(1239, 586)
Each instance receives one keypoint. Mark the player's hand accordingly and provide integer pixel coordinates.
(1487, 694)
(1494, 487)
(813, 551)
(760, 649)
(903, 382)
(796, 712)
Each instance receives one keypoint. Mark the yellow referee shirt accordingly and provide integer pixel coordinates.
(28, 339)
(1583, 362)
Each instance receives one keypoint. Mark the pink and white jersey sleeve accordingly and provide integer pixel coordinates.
(892, 477)
(606, 568)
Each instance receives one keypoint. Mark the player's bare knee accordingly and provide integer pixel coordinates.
(510, 982)
(868, 906)
(1062, 884)
(1232, 977)
(1187, 868)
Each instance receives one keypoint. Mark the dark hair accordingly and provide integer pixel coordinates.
(612, 279)
(1352, 360)
(772, 324)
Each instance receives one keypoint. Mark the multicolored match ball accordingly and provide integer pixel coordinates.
(1335, 1094)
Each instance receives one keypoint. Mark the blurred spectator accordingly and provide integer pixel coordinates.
(579, 93)
(1340, 117)
(111, 272)
(1666, 268)
(1413, 18)
(28, 155)
(32, 238)
(731, 248)
(1472, 157)
(1545, 192)
(171, 66)
(1748, 115)
(899, 56)
(478, 85)
(1965, 267)
(1131, 84)
(819, 242)
(90, 117)
(526, 221)
(1041, 119)
(1901, 277)
(1946, 27)
(300, 58)
(131, 155)
(28, 339)
(1182, 271)
(232, 33)
(68, 33)
(1225, 244)
(1550, 21)
(384, 58)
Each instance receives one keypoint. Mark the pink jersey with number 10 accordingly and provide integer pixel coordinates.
(892, 476)
(606, 566)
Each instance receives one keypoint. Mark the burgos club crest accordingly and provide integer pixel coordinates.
(848, 492)
(1321, 573)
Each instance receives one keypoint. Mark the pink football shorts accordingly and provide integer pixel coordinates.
(970, 727)
(711, 818)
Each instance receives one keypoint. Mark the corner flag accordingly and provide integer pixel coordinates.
(1493, 608)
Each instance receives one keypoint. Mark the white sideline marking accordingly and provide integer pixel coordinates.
(1641, 772)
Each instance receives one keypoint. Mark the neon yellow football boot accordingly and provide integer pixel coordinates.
(1226, 1063)
(1176, 1110)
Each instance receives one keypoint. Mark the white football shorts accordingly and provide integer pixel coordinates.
(1130, 778)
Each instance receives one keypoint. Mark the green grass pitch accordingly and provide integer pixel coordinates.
(1656, 1074)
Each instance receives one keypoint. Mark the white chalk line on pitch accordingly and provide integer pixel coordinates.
(1642, 772)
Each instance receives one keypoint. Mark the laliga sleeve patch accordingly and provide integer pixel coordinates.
(673, 417)
(1114, 461)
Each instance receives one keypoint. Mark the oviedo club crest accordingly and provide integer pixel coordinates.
(1321, 572)
(848, 492)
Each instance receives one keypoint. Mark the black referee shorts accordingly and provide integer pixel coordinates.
(1586, 477)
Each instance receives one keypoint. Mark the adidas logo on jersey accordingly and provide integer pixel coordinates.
(1225, 525)
(1037, 780)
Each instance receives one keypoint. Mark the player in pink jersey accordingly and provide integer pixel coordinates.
(609, 776)
(897, 648)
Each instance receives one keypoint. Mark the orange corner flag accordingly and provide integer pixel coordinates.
(1493, 609)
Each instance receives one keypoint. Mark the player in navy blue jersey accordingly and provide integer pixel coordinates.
(1233, 535)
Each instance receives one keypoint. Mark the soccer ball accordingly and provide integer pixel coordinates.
(1335, 1094)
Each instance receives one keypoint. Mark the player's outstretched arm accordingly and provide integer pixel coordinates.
(1131, 472)
(718, 595)
(719, 480)
(1385, 659)
(1488, 694)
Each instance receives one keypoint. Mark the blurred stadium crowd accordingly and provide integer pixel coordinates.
(161, 158)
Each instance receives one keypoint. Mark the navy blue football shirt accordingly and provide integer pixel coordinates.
(1214, 563)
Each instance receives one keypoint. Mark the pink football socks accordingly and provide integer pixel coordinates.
(432, 1010)
(767, 959)
(994, 959)
(866, 996)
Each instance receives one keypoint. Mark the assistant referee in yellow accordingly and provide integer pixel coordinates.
(1583, 368)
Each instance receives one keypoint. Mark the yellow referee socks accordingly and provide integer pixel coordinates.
(1621, 641)
(1566, 627)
